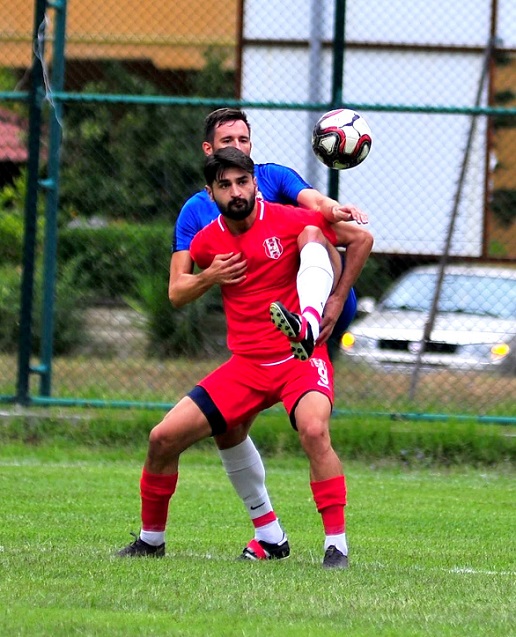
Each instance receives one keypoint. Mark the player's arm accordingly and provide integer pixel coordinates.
(331, 210)
(184, 286)
(358, 243)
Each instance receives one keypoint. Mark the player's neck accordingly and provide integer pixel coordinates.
(239, 227)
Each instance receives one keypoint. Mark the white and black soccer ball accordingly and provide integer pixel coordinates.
(341, 139)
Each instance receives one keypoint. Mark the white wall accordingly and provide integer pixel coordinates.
(438, 22)
(409, 181)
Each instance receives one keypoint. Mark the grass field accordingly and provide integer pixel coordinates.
(433, 551)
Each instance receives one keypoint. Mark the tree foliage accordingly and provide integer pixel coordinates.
(135, 161)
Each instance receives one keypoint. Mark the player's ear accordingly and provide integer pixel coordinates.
(210, 192)
(207, 149)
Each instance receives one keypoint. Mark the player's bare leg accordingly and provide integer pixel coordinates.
(327, 480)
(184, 425)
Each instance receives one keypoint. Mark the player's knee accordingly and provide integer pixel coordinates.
(310, 234)
(159, 441)
(314, 435)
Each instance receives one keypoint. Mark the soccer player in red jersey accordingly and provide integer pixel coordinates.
(281, 258)
(277, 184)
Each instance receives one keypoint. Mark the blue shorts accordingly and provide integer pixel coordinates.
(348, 311)
(348, 314)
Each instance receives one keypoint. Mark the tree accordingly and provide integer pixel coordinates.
(135, 161)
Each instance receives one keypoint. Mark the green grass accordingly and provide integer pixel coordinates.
(432, 551)
(414, 443)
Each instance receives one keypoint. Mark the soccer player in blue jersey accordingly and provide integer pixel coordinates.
(277, 184)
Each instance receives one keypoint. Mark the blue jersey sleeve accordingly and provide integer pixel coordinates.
(279, 184)
(197, 212)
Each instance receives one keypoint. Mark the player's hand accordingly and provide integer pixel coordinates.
(332, 311)
(349, 212)
(227, 269)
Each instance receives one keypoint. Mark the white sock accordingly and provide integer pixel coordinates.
(271, 533)
(337, 540)
(154, 538)
(314, 282)
(314, 324)
(245, 469)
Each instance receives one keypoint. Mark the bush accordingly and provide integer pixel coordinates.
(11, 237)
(409, 444)
(137, 161)
(10, 279)
(111, 259)
(69, 319)
(12, 205)
(68, 310)
(176, 332)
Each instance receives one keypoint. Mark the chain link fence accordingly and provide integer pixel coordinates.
(125, 89)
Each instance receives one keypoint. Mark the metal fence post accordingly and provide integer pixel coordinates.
(29, 241)
(338, 70)
(51, 184)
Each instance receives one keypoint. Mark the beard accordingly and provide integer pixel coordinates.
(238, 209)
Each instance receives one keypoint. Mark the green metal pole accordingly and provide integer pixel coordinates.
(51, 184)
(338, 72)
(36, 95)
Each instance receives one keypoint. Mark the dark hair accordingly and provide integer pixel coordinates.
(221, 160)
(221, 116)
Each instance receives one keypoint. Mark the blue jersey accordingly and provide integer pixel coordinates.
(276, 184)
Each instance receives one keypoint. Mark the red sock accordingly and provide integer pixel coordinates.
(156, 491)
(267, 518)
(313, 312)
(330, 499)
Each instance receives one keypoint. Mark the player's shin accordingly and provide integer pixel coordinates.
(156, 491)
(244, 467)
(330, 500)
(314, 283)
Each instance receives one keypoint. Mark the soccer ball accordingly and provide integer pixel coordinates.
(341, 139)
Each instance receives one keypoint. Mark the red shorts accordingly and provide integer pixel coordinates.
(241, 388)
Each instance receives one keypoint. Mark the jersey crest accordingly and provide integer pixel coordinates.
(273, 248)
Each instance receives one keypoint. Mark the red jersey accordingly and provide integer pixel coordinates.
(270, 247)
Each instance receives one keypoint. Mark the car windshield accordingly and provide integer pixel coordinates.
(460, 293)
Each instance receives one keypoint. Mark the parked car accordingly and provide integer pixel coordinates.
(474, 327)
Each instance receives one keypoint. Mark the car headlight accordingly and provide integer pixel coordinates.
(487, 352)
(500, 351)
(357, 342)
(347, 341)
